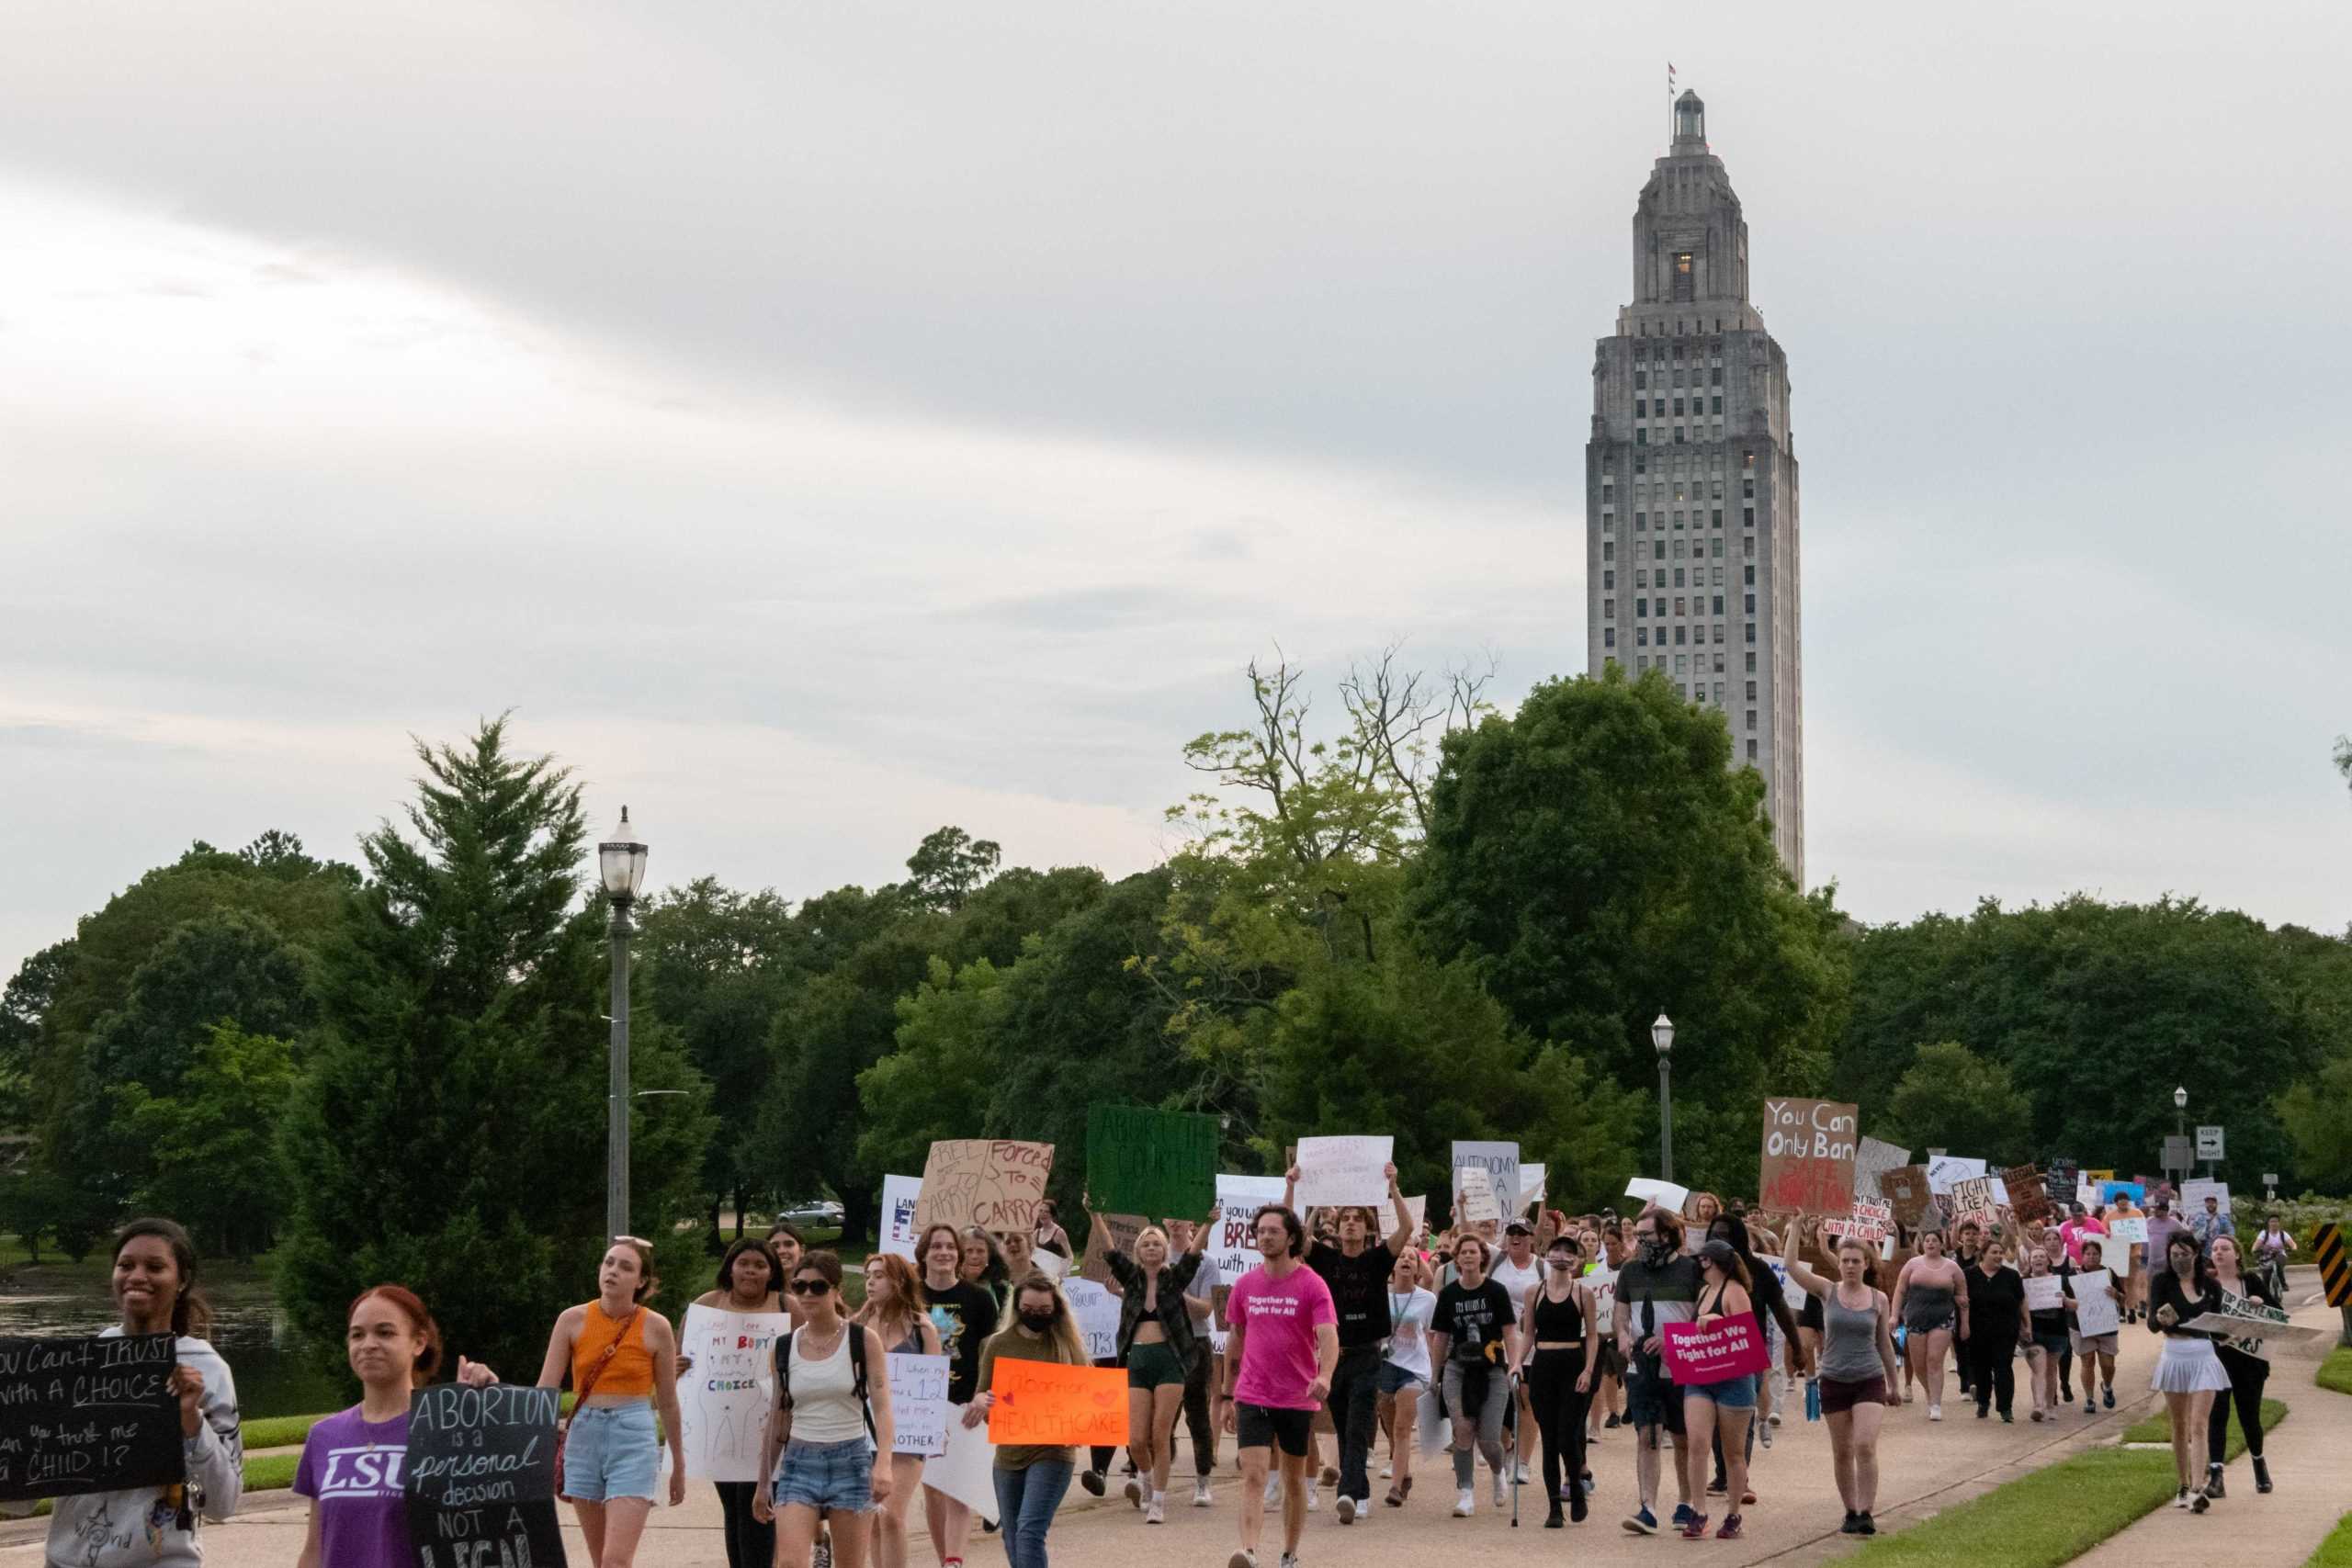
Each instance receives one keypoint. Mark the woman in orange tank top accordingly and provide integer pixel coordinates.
(623, 1362)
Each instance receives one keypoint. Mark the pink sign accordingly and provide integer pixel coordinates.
(1725, 1349)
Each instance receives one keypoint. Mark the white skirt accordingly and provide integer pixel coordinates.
(2188, 1366)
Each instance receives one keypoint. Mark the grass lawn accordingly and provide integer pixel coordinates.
(2336, 1551)
(2335, 1373)
(2050, 1516)
(2158, 1429)
(271, 1473)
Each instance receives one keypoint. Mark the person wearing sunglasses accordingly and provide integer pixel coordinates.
(831, 1424)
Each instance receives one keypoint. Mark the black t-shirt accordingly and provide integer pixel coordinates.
(1359, 1291)
(1993, 1301)
(1471, 1319)
(1647, 1295)
(965, 1316)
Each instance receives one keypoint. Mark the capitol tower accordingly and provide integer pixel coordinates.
(1690, 480)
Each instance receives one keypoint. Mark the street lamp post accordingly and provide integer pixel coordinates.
(2180, 1126)
(621, 862)
(1662, 1036)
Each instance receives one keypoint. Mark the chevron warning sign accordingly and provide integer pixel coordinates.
(2335, 1269)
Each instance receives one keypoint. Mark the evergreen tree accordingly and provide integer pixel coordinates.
(450, 1131)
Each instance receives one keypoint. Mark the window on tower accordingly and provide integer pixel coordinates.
(1641, 379)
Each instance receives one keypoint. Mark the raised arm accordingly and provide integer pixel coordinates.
(1402, 1237)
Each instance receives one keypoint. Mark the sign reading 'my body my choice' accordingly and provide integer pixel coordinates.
(87, 1415)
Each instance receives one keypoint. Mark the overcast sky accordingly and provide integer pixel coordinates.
(820, 423)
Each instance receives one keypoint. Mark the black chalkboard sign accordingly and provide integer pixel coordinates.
(480, 1477)
(95, 1414)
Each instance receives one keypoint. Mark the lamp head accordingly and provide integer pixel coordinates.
(2180, 1099)
(620, 860)
(1662, 1035)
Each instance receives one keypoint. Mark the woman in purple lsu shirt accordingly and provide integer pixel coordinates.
(351, 1467)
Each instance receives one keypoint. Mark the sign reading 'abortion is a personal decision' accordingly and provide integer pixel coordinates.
(81, 1416)
(480, 1476)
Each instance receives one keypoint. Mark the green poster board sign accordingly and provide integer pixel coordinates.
(1158, 1163)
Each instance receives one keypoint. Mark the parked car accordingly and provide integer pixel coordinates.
(812, 1212)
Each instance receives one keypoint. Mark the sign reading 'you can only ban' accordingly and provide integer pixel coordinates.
(1809, 1151)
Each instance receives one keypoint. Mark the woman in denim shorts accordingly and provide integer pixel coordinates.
(836, 1446)
(1404, 1375)
(623, 1362)
(1727, 1405)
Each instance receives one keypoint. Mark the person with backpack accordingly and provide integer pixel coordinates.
(830, 1422)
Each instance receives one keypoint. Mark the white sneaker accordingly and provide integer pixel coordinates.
(1466, 1503)
(1764, 1432)
(1290, 1559)
(1154, 1512)
(1310, 1494)
(1202, 1495)
(1273, 1491)
(1774, 1419)
(1935, 1412)
(1498, 1489)
(1135, 1494)
(1388, 1471)
(1524, 1478)
(1346, 1510)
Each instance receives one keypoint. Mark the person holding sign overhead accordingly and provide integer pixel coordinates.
(831, 1424)
(351, 1464)
(1155, 1346)
(1357, 1271)
(894, 1309)
(1283, 1347)
(1031, 1479)
(155, 1291)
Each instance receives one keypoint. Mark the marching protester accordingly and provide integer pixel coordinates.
(2188, 1373)
(1405, 1374)
(1854, 1373)
(1727, 1403)
(1998, 1323)
(623, 1361)
(155, 1288)
(2247, 1370)
(750, 1280)
(981, 1264)
(1357, 1271)
(1156, 1347)
(1658, 1285)
(1200, 1300)
(1283, 1350)
(2095, 1353)
(1519, 1273)
(966, 1316)
(2212, 1223)
(1605, 1409)
(2046, 1346)
(895, 1309)
(1031, 1479)
(1699, 1212)
(828, 1440)
(1966, 1245)
(1048, 1236)
(1779, 1327)
(1932, 1303)
(1474, 1338)
(1559, 1332)
(352, 1462)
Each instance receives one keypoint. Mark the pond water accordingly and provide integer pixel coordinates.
(277, 1372)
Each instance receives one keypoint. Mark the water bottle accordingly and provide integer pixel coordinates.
(1813, 1399)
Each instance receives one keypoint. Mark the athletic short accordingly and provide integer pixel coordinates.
(1650, 1400)
(835, 1477)
(2051, 1344)
(1840, 1396)
(2096, 1344)
(1393, 1379)
(1609, 1362)
(611, 1450)
(1265, 1425)
(1155, 1366)
(1731, 1393)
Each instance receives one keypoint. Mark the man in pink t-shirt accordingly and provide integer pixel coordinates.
(2078, 1225)
(1285, 1345)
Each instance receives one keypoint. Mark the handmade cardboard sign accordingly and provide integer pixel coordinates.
(79, 1416)
(1971, 1199)
(479, 1476)
(1233, 1251)
(1499, 1160)
(1725, 1349)
(1907, 1192)
(1809, 1153)
(1158, 1163)
(1350, 1170)
(1474, 1197)
(2132, 1232)
(919, 1407)
(1117, 1231)
(994, 1183)
(2028, 1194)
(2194, 1193)
(1945, 1169)
(1047, 1403)
(1097, 1311)
(1873, 1158)
(2095, 1311)
(723, 1400)
(2045, 1293)
(1868, 1222)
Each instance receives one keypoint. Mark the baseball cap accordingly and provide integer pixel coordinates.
(1519, 1227)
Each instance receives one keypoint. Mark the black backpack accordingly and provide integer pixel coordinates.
(856, 1372)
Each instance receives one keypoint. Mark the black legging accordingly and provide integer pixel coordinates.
(1559, 1417)
(1993, 1359)
(2247, 1374)
(749, 1544)
(1196, 1410)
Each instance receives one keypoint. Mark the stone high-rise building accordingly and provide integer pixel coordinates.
(1691, 480)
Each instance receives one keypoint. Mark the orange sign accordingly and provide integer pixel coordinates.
(1048, 1404)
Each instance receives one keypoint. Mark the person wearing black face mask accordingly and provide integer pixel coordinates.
(1658, 1286)
(1030, 1479)
(1559, 1351)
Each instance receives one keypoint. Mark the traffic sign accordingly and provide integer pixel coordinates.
(2334, 1272)
(2209, 1144)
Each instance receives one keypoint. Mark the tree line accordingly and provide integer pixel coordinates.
(1423, 917)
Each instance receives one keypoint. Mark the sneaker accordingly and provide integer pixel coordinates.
(1764, 1433)
(1499, 1482)
(1154, 1512)
(1982, 1411)
(1202, 1495)
(1747, 1499)
(1242, 1559)
(1643, 1522)
(1853, 1524)
(1695, 1528)
(2180, 1499)
(2037, 1414)
(821, 1555)
(2108, 1396)
(2198, 1502)
(1522, 1477)
(1717, 1487)
(1346, 1510)
(1730, 1530)
(1311, 1503)
(1135, 1494)
(1092, 1481)
(1682, 1516)
(2089, 1408)
(1273, 1492)
(1611, 1424)
(1865, 1525)
(2067, 1393)
(1935, 1411)
(1465, 1503)
(1290, 1559)
(2010, 1420)
(1388, 1471)
(1774, 1418)
(1330, 1476)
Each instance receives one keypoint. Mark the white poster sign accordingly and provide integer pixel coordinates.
(1665, 1194)
(1233, 1251)
(1945, 1169)
(723, 1400)
(900, 1194)
(1474, 1197)
(1097, 1311)
(2132, 1232)
(1791, 1293)
(2194, 1193)
(1602, 1284)
(966, 1470)
(1419, 1208)
(2045, 1293)
(1873, 1156)
(2095, 1310)
(1499, 1160)
(919, 1407)
(1530, 1188)
(1344, 1170)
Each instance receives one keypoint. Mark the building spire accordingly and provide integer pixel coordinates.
(1690, 123)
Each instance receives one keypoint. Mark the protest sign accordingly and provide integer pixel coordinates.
(1345, 1170)
(723, 1400)
(1530, 1188)
(2135, 1190)
(2087, 1196)
(2059, 1180)
(1971, 1199)
(1474, 1197)
(1097, 1312)
(1665, 1194)
(966, 1470)
(919, 1407)
(1117, 1231)
(2045, 1293)
(2029, 1196)
(1809, 1153)
(994, 1183)
(901, 1196)
(1500, 1161)
(1047, 1403)
(1945, 1169)
(2248, 1324)
(1791, 1293)
(2095, 1311)
(1156, 1163)
(1727, 1347)
(1872, 1159)
(1602, 1284)
(1906, 1192)
(479, 1476)
(88, 1414)
(1867, 1223)
(2194, 1193)
(1419, 1208)
(1233, 1251)
(2132, 1232)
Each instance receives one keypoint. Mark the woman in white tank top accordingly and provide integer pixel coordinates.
(835, 1447)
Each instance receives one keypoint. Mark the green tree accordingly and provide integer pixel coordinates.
(450, 1132)
(1952, 1097)
(212, 1152)
(949, 866)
